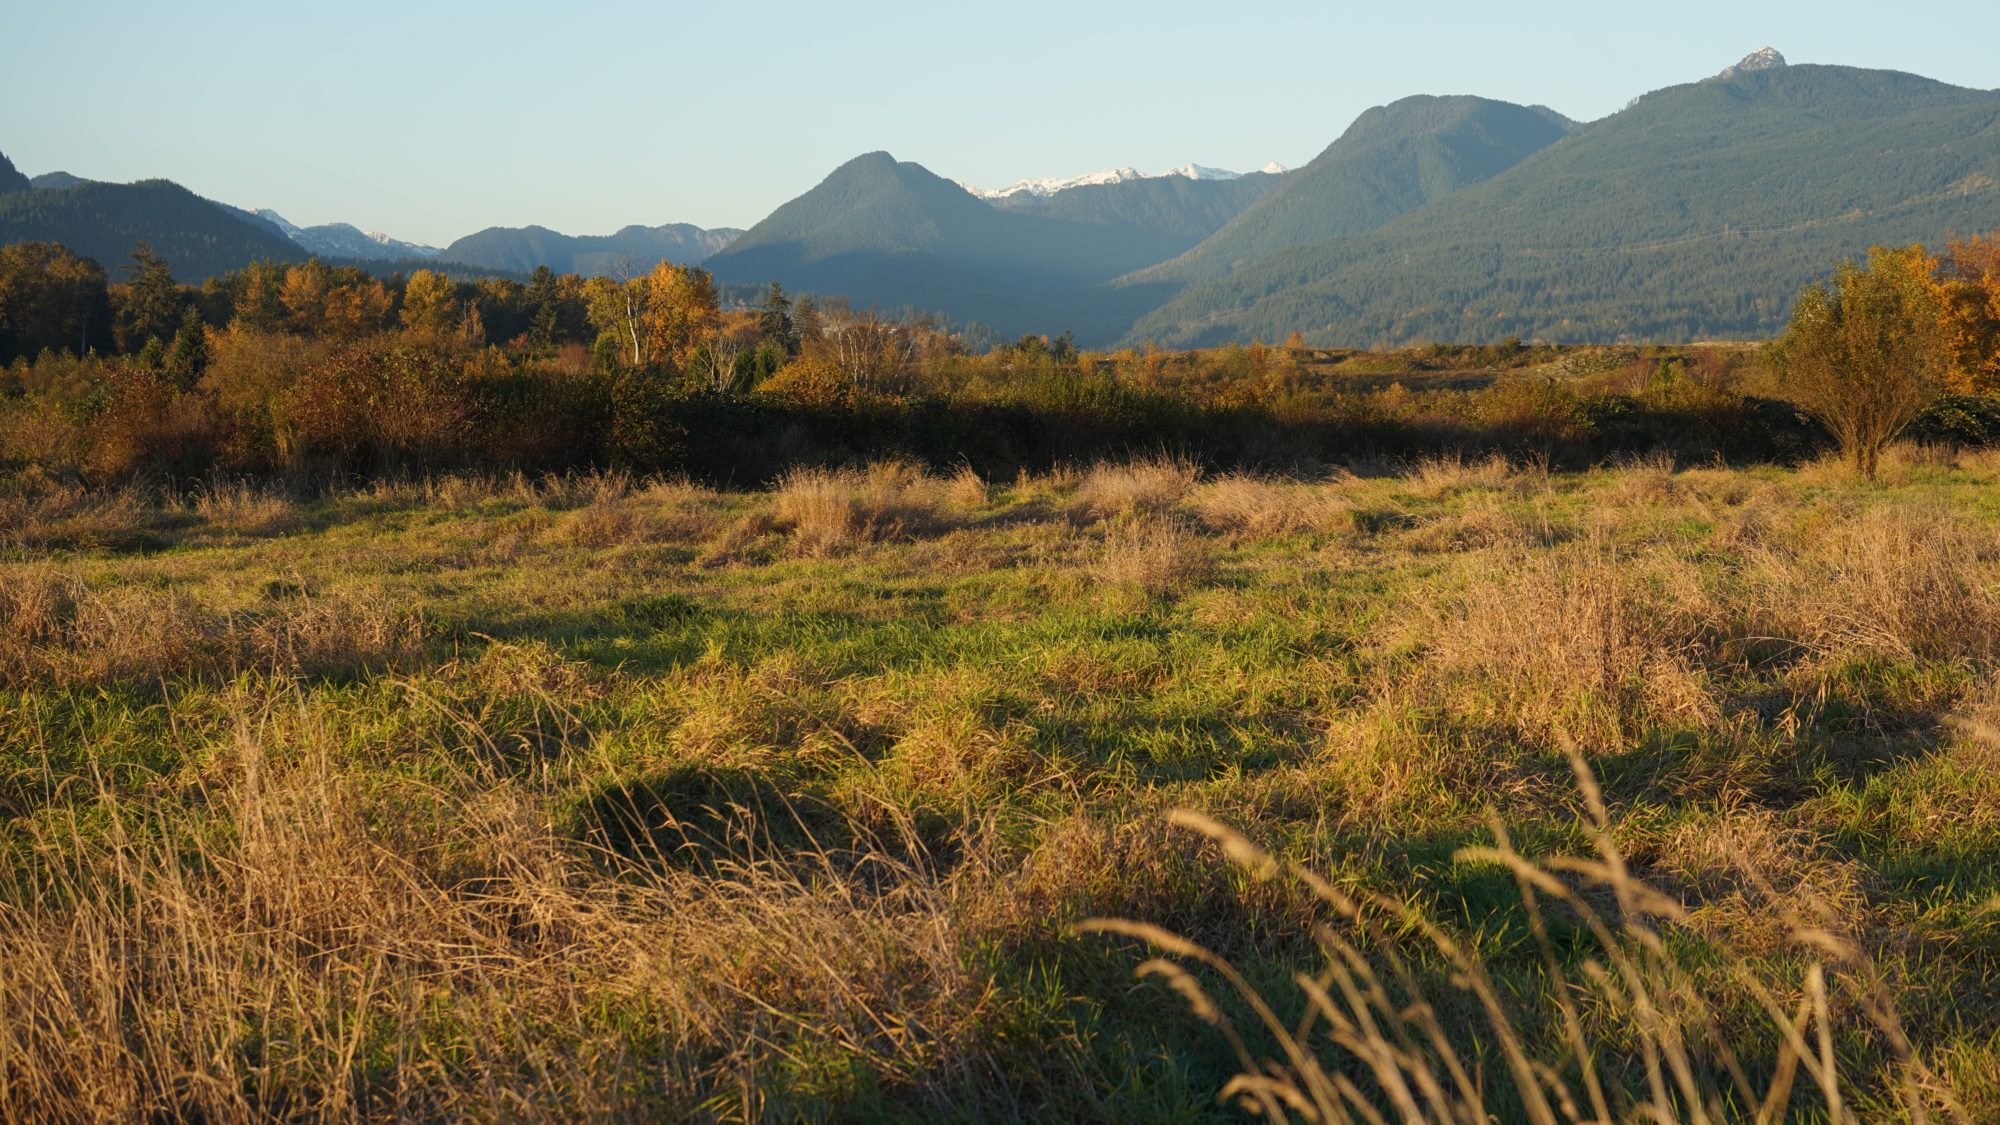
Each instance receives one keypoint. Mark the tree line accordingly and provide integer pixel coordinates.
(316, 371)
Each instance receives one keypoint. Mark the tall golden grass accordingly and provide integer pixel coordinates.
(1378, 1041)
(279, 958)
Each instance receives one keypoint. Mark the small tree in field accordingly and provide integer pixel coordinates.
(1866, 351)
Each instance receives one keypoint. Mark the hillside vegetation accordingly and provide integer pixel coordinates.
(635, 249)
(1696, 213)
(197, 237)
(1393, 159)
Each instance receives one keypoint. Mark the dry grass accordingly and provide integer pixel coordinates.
(1157, 554)
(45, 514)
(143, 957)
(1441, 476)
(56, 629)
(1577, 643)
(1250, 508)
(660, 512)
(1378, 1037)
(966, 490)
(1886, 581)
(1152, 484)
(831, 510)
(245, 509)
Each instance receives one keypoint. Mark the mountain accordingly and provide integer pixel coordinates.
(1697, 212)
(1043, 188)
(1179, 210)
(634, 249)
(891, 235)
(343, 240)
(57, 180)
(11, 179)
(198, 237)
(1391, 160)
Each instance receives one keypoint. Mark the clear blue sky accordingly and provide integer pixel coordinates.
(431, 120)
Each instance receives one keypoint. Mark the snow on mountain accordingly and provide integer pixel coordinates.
(1763, 58)
(291, 229)
(1043, 188)
(344, 240)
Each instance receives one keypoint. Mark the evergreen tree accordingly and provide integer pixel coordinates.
(774, 323)
(150, 302)
(187, 356)
(807, 325)
(543, 299)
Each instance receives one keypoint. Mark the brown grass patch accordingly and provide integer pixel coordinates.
(239, 974)
(1886, 581)
(245, 509)
(47, 514)
(54, 628)
(1155, 554)
(1443, 475)
(831, 510)
(1152, 484)
(1252, 508)
(1579, 644)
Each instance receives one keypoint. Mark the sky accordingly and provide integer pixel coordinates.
(431, 120)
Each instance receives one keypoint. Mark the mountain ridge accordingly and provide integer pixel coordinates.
(1695, 212)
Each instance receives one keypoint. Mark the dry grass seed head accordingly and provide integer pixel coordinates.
(1252, 508)
(1887, 581)
(831, 510)
(1154, 554)
(1150, 484)
(245, 509)
(1441, 475)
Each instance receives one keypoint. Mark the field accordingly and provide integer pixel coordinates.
(596, 796)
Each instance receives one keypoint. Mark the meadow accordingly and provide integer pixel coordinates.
(590, 796)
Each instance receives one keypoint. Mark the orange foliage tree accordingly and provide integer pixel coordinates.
(1972, 313)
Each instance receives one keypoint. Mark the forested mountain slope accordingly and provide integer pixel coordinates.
(1697, 212)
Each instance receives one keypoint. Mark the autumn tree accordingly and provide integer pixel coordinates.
(1867, 351)
(430, 305)
(303, 295)
(356, 305)
(1972, 313)
(617, 309)
(260, 304)
(681, 314)
(51, 299)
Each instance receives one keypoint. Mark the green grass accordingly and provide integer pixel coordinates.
(651, 827)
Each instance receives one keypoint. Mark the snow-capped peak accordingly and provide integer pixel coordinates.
(272, 217)
(1043, 188)
(1763, 58)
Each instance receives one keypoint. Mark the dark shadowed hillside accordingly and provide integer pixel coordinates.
(635, 248)
(893, 234)
(197, 237)
(11, 179)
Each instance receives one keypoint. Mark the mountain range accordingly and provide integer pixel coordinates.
(1697, 211)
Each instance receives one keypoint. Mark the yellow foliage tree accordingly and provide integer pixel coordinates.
(681, 313)
(1867, 351)
(430, 304)
(304, 297)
